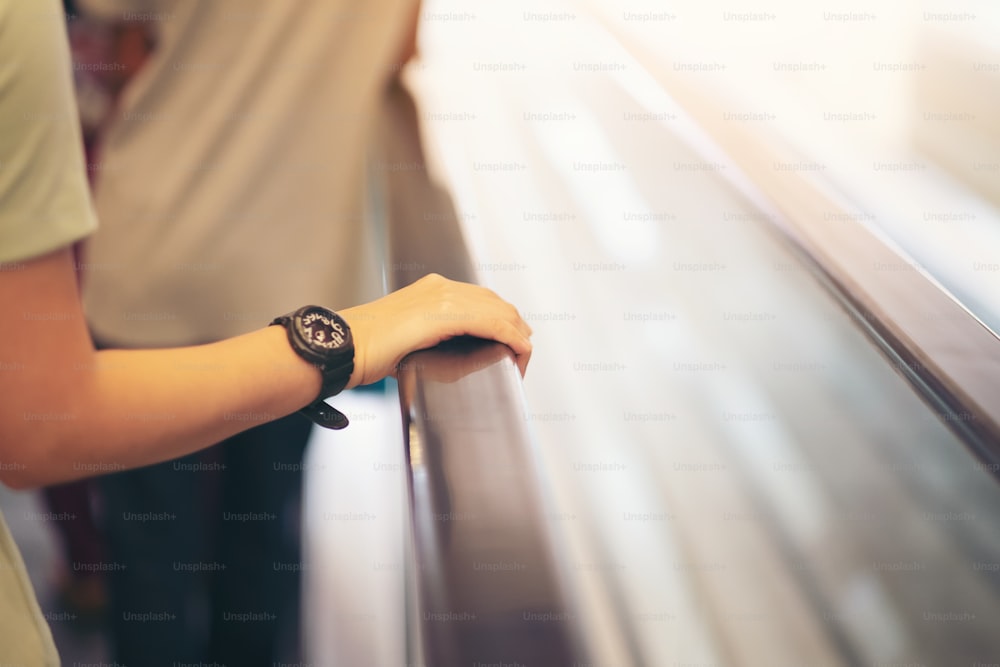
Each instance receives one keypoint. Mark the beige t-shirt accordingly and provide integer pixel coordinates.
(44, 205)
(230, 185)
(44, 200)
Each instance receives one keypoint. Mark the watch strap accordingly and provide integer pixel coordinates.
(325, 415)
(335, 378)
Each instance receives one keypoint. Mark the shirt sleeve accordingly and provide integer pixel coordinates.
(44, 195)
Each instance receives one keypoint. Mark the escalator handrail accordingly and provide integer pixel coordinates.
(949, 356)
(487, 584)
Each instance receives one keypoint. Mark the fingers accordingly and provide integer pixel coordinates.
(486, 315)
(429, 311)
(522, 351)
(522, 362)
(463, 309)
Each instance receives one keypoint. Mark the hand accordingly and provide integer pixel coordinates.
(422, 315)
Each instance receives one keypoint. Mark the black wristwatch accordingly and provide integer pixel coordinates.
(322, 337)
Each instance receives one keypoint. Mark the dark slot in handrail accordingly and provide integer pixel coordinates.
(487, 583)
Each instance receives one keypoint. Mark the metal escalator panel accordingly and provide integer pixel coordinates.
(741, 469)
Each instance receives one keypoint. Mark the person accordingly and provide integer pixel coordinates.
(252, 119)
(69, 410)
(78, 575)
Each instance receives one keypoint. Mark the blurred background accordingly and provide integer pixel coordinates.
(734, 473)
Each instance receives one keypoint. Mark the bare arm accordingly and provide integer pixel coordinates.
(408, 45)
(68, 411)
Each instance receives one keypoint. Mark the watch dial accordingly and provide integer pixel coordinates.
(320, 330)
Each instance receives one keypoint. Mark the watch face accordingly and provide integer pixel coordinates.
(321, 329)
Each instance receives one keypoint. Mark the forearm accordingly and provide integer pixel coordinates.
(67, 411)
(123, 409)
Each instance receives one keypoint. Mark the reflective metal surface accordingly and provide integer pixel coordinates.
(949, 356)
(740, 477)
(487, 583)
(486, 580)
(730, 472)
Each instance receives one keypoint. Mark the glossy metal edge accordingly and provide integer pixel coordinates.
(487, 584)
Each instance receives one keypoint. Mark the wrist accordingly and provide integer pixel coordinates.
(323, 339)
(357, 320)
(307, 378)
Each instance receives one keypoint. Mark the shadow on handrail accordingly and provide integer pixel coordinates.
(487, 588)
